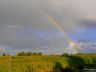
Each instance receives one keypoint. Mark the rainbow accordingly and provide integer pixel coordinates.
(71, 43)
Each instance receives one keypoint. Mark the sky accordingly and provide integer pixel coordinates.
(31, 24)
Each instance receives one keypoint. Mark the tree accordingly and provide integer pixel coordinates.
(39, 53)
(65, 54)
(4, 54)
(21, 53)
(28, 53)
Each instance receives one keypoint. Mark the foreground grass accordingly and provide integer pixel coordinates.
(39, 63)
(34, 63)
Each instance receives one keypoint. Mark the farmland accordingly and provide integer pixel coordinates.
(44, 63)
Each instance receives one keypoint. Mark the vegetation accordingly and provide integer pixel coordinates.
(47, 63)
(27, 53)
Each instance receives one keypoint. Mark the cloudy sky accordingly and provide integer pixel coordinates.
(31, 24)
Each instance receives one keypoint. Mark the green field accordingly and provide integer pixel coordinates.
(44, 63)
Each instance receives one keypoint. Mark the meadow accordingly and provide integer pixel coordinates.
(45, 63)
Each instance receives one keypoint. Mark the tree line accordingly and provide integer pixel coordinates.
(28, 53)
(22, 53)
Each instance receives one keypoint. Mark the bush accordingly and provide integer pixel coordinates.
(57, 67)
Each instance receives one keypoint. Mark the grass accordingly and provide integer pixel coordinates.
(37, 63)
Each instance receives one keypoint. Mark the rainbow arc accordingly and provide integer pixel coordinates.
(72, 45)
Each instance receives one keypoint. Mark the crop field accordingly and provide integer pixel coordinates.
(32, 63)
(42, 63)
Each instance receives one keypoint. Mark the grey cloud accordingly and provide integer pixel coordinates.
(29, 13)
